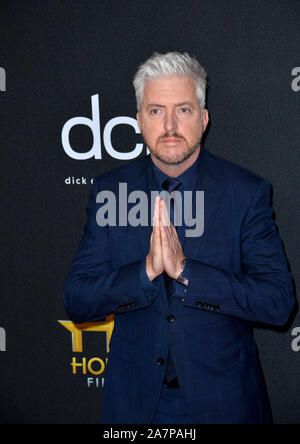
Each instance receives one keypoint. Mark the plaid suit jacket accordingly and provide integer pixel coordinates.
(238, 275)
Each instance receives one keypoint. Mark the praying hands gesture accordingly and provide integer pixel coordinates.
(165, 249)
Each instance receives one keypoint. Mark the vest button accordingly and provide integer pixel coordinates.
(160, 361)
(171, 318)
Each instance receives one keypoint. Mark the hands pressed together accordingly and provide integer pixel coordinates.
(165, 249)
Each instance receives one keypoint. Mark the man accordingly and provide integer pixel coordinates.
(182, 349)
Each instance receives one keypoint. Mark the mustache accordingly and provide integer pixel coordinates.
(172, 134)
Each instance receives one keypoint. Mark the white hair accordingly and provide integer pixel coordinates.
(170, 64)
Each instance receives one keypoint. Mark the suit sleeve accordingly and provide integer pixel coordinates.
(93, 289)
(263, 291)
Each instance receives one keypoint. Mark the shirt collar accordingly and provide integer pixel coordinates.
(188, 177)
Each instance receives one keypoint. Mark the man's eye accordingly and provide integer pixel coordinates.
(185, 110)
(155, 111)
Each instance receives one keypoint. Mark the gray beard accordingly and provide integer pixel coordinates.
(186, 155)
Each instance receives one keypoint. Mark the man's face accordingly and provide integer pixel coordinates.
(170, 120)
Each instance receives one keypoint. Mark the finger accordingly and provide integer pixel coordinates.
(165, 228)
(167, 224)
(156, 212)
(164, 237)
(156, 226)
(165, 214)
(165, 219)
(173, 234)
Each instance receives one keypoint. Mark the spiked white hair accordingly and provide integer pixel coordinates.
(170, 64)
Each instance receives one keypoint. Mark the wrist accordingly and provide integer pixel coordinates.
(150, 273)
(180, 278)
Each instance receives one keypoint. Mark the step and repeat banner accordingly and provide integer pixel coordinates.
(68, 114)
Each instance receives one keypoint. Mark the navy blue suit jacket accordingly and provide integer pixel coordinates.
(238, 275)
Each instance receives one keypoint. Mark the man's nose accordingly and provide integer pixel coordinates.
(170, 122)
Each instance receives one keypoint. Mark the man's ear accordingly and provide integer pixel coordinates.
(139, 121)
(205, 119)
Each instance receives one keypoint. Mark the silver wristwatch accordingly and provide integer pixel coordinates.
(181, 278)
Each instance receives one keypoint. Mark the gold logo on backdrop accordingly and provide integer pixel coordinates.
(78, 329)
(94, 366)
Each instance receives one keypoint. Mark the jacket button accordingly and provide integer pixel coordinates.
(160, 361)
(171, 318)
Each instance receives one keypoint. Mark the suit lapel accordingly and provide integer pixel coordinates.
(210, 180)
(145, 184)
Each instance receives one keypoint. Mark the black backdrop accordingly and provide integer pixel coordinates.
(58, 54)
